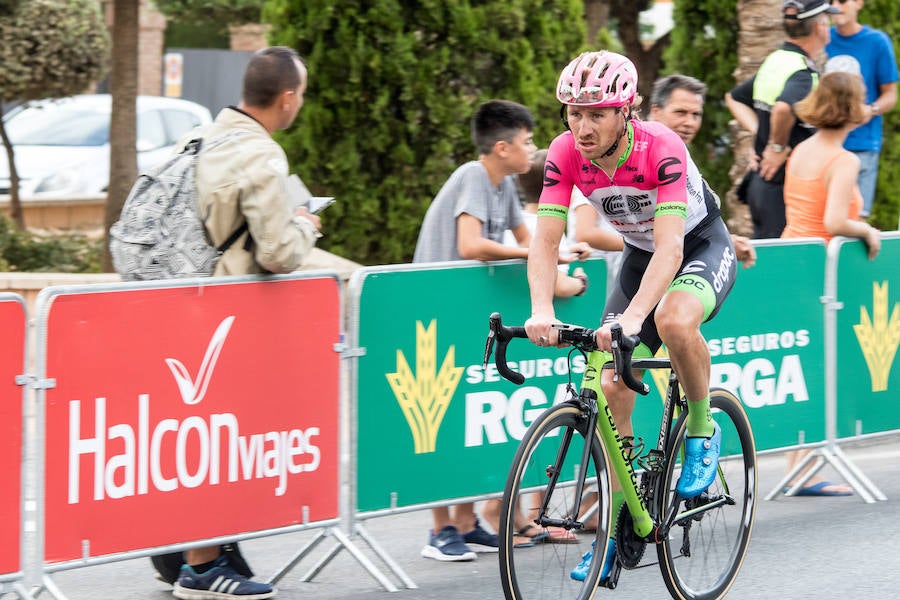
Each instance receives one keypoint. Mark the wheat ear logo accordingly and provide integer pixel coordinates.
(878, 336)
(424, 396)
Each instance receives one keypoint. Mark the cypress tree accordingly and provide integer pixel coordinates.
(392, 88)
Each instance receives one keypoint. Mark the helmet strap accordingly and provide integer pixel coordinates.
(615, 144)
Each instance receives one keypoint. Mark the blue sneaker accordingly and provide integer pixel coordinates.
(219, 583)
(447, 545)
(480, 540)
(579, 573)
(701, 460)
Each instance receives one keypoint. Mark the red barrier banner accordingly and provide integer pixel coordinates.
(12, 364)
(186, 413)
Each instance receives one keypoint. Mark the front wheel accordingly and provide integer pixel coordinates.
(539, 569)
(702, 554)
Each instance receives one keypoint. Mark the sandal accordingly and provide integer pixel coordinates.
(560, 535)
(533, 538)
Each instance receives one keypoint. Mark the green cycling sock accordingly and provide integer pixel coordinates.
(699, 418)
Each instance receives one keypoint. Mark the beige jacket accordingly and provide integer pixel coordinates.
(244, 178)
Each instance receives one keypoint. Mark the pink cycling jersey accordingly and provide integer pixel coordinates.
(654, 176)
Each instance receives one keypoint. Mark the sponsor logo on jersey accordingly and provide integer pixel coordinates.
(668, 170)
(551, 174)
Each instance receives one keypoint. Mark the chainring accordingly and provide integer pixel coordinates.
(629, 547)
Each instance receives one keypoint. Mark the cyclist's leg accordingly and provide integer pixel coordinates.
(698, 291)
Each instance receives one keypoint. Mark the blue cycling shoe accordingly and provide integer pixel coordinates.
(701, 460)
(579, 573)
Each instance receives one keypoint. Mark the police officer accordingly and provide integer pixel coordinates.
(763, 105)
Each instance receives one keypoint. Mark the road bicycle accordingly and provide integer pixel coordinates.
(574, 446)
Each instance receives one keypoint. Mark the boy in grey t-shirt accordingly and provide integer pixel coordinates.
(479, 201)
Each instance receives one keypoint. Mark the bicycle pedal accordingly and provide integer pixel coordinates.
(612, 580)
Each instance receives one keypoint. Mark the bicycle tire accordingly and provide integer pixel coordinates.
(717, 538)
(541, 572)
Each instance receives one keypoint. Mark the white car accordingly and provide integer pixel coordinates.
(61, 146)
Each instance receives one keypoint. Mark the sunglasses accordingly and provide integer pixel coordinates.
(839, 1)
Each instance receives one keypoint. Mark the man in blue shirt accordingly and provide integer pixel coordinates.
(869, 52)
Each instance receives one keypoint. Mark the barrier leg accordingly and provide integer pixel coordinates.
(15, 588)
(297, 558)
(346, 542)
(857, 480)
(343, 542)
(48, 584)
(779, 487)
(390, 562)
(22, 592)
(317, 568)
(831, 454)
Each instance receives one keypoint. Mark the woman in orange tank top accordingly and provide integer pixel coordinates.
(821, 198)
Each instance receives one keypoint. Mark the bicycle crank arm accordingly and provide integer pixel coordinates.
(612, 580)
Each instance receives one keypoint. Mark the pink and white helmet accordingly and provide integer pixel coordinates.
(598, 79)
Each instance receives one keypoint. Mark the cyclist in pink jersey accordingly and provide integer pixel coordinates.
(678, 264)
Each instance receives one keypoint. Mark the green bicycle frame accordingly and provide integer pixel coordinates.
(609, 435)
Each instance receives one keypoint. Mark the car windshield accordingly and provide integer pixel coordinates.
(58, 126)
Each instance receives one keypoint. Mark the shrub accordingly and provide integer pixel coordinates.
(27, 252)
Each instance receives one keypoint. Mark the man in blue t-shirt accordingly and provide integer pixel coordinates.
(869, 52)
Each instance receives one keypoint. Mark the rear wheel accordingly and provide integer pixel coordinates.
(540, 571)
(702, 554)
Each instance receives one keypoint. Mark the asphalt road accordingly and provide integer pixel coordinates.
(801, 548)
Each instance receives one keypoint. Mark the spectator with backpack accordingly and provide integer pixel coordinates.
(242, 199)
(245, 179)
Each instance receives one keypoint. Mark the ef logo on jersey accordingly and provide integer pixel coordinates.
(668, 170)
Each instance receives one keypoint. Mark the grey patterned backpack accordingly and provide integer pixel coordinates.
(159, 234)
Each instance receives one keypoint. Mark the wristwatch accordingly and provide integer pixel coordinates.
(778, 148)
(875, 109)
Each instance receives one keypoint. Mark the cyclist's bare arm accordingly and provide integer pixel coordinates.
(668, 240)
(542, 260)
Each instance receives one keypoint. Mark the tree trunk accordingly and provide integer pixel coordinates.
(123, 123)
(15, 203)
(596, 15)
(760, 33)
(647, 60)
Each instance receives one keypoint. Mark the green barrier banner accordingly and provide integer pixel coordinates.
(868, 334)
(767, 343)
(432, 424)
